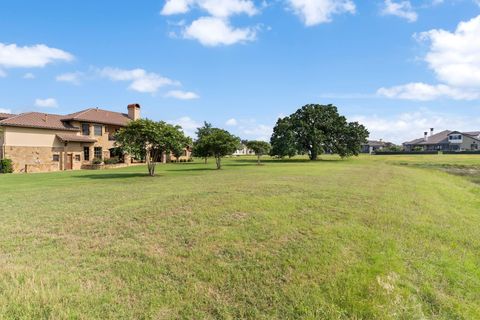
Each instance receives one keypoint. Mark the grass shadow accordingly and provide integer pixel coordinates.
(108, 176)
(189, 169)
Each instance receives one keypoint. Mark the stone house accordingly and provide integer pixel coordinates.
(40, 142)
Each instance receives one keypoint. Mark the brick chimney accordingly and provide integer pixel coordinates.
(134, 111)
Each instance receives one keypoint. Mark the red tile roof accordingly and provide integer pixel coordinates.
(99, 116)
(5, 116)
(38, 120)
(70, 137)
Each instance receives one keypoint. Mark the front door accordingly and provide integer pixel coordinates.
(69, 164)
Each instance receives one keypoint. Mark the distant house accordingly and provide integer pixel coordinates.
(375, 145)
(446, 140)
(244, 151)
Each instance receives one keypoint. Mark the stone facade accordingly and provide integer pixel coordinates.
(40, 150)
(44, 159)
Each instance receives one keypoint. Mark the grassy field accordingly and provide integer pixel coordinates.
(376, 237)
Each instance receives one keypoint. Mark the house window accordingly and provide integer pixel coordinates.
(97, 129)
(56, 157)
(97, 152)
(86, 153)
(77, 157)
(85, 129)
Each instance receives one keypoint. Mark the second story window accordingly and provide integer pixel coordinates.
(85, 129)
(98, 130)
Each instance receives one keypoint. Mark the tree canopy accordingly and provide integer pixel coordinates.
(259, 147)
(147, 139)
(200, 148)
(216, 142)
(315, 129)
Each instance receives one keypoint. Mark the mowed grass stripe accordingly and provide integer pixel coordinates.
(359, 239)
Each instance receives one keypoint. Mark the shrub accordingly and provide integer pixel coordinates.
(6, 166)
(97, 161)
(113, 160)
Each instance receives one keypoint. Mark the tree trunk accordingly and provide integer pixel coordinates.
(313, 153)
(258, 160)
(206, 160)
(151, 162)
(218, 160)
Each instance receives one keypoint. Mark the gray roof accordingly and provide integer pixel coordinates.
(377, 143)
(440, 138)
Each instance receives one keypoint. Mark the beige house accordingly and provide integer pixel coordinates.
(39, 142)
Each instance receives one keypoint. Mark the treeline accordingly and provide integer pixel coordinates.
(312, 130)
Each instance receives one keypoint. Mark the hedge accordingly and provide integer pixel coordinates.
(381, 153)
(6, 166)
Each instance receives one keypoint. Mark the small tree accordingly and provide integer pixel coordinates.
(259, 147)
(148, 139)
(179, 147)
(221, 143)
(200, 148)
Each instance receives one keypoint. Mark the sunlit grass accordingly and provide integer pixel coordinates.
(363, 238)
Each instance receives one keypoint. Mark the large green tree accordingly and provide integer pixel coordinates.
(283, 140)
(220, 143)
(200, 148)
(147, 139)
(315, 129)
(259, 147)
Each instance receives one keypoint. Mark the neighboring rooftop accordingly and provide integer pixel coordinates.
(71, 137)
(98, 116)
(377, 143)
(4, 116)
(38, 120)
(62, 122)
(440, 138)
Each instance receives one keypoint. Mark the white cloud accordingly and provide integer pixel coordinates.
(46, 103)
(454, 57)
(313, 12)
(252, 130)
(411, 125)
(216, 8)
(2, 110)
(72, 77)
(176, 7)
(258, 132)
(29, 76)
(212, 31)
(231, 122)
(188, 125)
(140, 80)
(182, 95)
(425, 92)
(402, 9)
(37, 56)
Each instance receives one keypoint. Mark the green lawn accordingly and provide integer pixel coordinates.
(376, 237)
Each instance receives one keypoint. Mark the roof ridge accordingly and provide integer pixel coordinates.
(78, 113)
(16, 116)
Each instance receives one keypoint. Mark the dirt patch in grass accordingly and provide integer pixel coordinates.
(471, 172)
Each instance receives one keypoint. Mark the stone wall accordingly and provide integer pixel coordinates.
(41, 159)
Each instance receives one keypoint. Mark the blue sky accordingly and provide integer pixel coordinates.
(399, 67)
